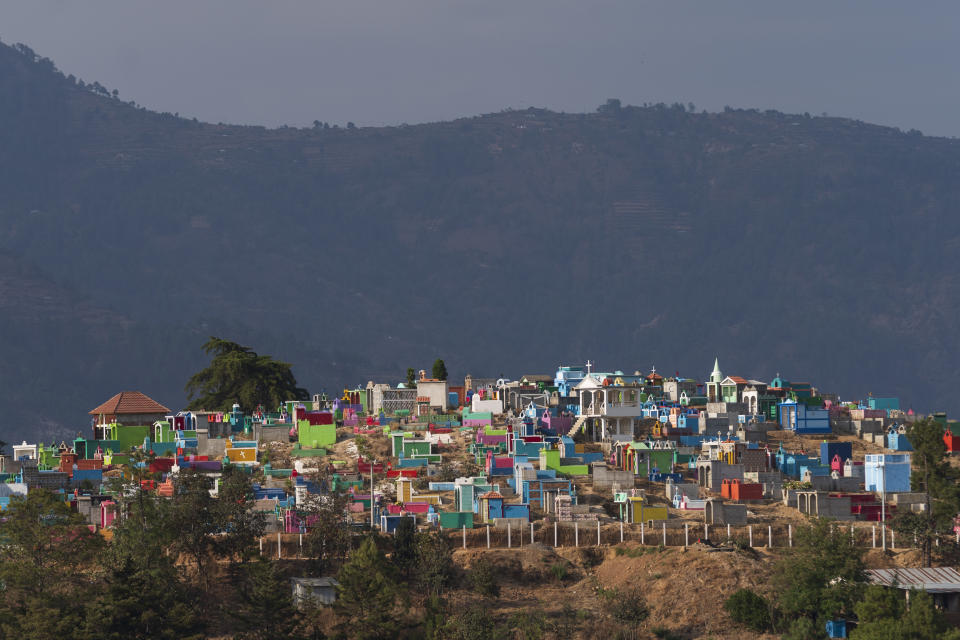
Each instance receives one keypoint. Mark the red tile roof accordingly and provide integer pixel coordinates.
(127, 402)
(738, 379)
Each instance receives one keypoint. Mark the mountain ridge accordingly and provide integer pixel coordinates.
(822, 248)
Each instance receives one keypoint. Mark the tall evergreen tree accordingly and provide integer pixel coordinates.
(439, 369)
(404, 554)
(435, 567)
(329, 539)
(932, 474)
(47, 567)
(367, 594)
(233, 515)
(267, 611)
(238, 374)
(193, 516)
(884, 615)
(143, 602)
(822, 576)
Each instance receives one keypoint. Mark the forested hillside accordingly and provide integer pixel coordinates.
(820, 248)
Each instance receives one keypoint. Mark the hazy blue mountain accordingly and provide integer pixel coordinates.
(819, 248)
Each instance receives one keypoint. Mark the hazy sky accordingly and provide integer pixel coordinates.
(392, 61)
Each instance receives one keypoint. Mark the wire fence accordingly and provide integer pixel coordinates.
(587, 533)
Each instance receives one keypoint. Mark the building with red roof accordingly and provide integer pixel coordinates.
(129, 408)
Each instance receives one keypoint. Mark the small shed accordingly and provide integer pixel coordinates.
(319, 591)
(942, 583)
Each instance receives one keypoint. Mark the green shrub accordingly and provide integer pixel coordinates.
(529, 625)
(473, 623)
(559, 571)
(804, 629)
(483, 578)
(624, 606)
(749, 609)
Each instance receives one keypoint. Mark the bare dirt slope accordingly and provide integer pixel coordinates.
(683, 589)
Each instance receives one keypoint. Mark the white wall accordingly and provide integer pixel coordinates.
(479, 406)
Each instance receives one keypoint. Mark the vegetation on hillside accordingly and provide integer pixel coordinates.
(932, 474)
(743, 233)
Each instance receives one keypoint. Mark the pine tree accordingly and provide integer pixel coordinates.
(367, 593)
(47, 567)
(267, 610)
(238, 374)
(822, 576)
(404, 556)
(435, 565)
(884, 615)
(193, 516)
(329, 539)
(439, 369)
(932, 474)
(242, 526)
(143, 602)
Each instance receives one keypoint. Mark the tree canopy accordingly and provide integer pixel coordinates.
(883, 614)
(367, 592)
(439, 369)
(239, 374)
(932, 474)
(822, 577)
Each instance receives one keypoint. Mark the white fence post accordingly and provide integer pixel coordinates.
(554, 534)
(790, 534)
(509, 541)
(728, 531)
(488, 536)
(464, 536)
(642, 540)
(621, 531)
(279, 545)
(664, 534)
(873, 536)
(769, 536)
(750, 530)
(531, 533)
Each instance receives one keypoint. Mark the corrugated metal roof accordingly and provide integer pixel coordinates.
(934, 580)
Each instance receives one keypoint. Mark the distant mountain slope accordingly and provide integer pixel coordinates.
(821, 248)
